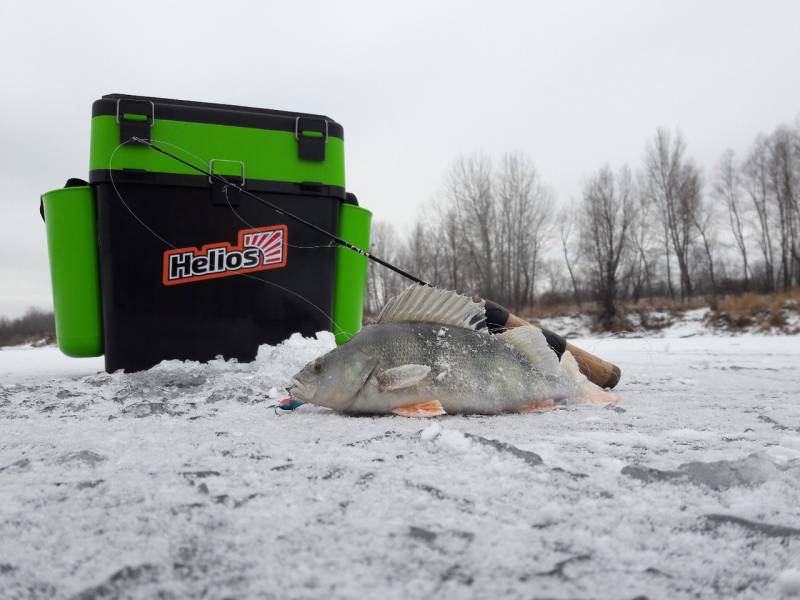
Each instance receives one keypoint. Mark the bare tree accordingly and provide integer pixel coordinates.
(470, 194)
(451, 240)
(672, 181)
(756, 177)
(795, 199)
(784, 187)
(524, 210)
(490, 229)
(728, 188)
(382, 283)
(571, 251)
(607, 214)
(645, 246)
(422, 251)
(704, 222)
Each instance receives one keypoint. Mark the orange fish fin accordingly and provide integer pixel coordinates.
(538, 406)
(422, 409)
(596, 395)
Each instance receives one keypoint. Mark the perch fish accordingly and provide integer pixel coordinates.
(425, 357)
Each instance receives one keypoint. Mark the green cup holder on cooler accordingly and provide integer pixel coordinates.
(351, 272)
(71, 221)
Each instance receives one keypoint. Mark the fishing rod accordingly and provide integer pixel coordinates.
(335, 238)
(498, 318)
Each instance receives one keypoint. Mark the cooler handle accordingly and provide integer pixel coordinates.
(223, 194)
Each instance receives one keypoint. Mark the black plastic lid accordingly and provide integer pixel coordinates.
(218, 114)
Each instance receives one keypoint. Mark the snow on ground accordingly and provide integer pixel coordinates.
(27, 363)
(182, 481)
(690, 323)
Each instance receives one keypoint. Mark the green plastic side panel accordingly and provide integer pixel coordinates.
(70, 217)
(267, 154)
(351, 272)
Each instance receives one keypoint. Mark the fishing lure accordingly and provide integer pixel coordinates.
(290, 403)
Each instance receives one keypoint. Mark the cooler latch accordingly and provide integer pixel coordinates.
(312, 135)
(135, 118)
(224, 194)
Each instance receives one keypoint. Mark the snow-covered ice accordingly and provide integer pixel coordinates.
(183, 481)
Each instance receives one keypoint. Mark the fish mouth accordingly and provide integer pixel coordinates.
(300, 390)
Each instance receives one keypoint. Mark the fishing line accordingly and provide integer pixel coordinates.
(125, 204)
(284, 213)
(246, 222)
(173, 246)
(227, 198)
(225, 191)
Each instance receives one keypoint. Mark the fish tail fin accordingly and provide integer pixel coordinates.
(587, 391)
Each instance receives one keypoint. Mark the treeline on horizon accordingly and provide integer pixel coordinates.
(665, 228)
(34, 326)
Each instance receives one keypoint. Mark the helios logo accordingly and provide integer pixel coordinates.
(258, 249)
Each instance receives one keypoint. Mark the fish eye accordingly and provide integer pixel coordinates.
(317, 367)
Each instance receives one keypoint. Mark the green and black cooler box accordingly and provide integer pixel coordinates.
(152, 260)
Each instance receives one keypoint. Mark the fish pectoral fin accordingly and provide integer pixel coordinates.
(401, 377)
(422, 409)
(538, 406)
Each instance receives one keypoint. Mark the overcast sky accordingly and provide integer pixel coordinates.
(573, 84)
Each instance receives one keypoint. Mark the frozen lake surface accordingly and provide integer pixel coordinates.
(182, 481)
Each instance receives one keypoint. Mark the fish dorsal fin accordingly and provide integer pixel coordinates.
(530, 341)
(424, 304)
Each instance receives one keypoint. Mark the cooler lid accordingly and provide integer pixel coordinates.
(118, 105)
(253, 144)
